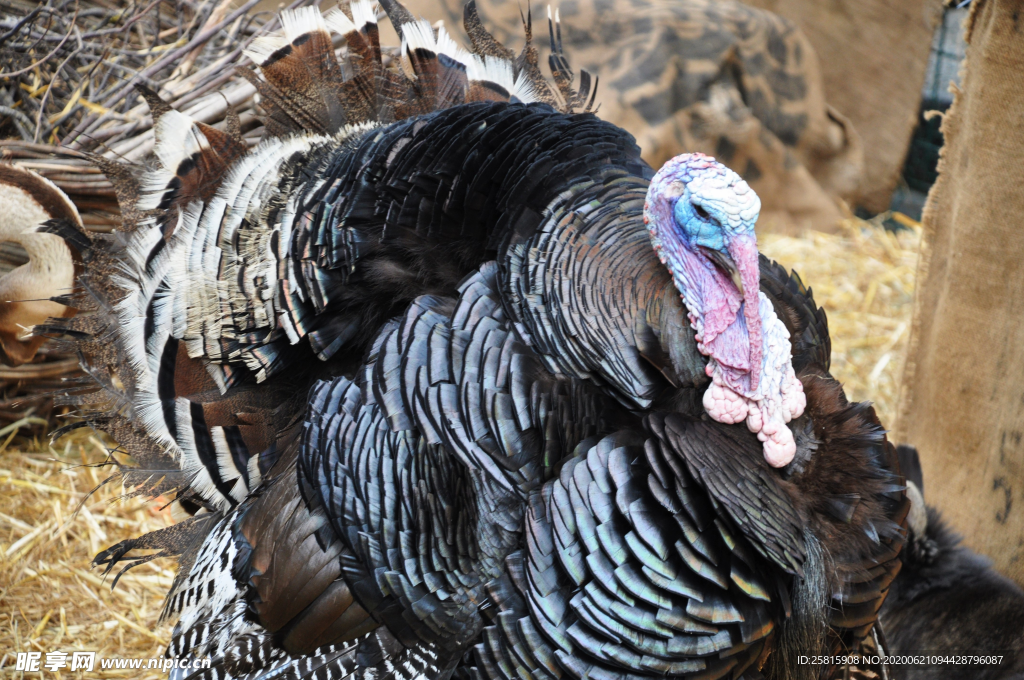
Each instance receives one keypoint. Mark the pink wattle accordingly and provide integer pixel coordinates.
(750, 368)
(780, 396)
(734, 341)
(743, 250)
(748, 349)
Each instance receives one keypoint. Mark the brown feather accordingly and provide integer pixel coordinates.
(198, 176)
(294, 575)
(305, 80)
(233, 124)
(333, 618)
(483, 42)
(158, 106)
(358, 93)
(398, 14)
(528, 62)
(125, 179)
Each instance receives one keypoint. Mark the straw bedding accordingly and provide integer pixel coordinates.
(50, 597)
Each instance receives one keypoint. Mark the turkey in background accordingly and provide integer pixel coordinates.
(739, 83)
(442, 366)
(48, 269)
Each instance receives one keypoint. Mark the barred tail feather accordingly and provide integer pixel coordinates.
(305, 91)
(218, 279)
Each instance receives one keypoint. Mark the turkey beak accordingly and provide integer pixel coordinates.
(728, 267)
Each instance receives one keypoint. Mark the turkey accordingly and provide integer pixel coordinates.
(449, 381)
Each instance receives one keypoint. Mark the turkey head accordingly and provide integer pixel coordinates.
(701, 219)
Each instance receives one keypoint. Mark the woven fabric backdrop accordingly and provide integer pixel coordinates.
(963, 389)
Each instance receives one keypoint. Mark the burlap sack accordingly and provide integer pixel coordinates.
(715, 76)
(873, 57)
(962, 403)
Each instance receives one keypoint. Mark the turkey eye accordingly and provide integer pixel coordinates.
(701, 212)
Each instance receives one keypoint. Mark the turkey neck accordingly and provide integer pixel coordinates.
(592, 298)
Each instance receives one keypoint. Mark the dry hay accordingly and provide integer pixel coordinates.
(52, 599)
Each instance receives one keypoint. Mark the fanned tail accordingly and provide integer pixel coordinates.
(305, 89)
(190, 313)
(563, 75)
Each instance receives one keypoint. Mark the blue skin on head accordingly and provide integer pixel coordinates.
(697, 206)
(698, 230)
(706, 230)
(692, 188)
